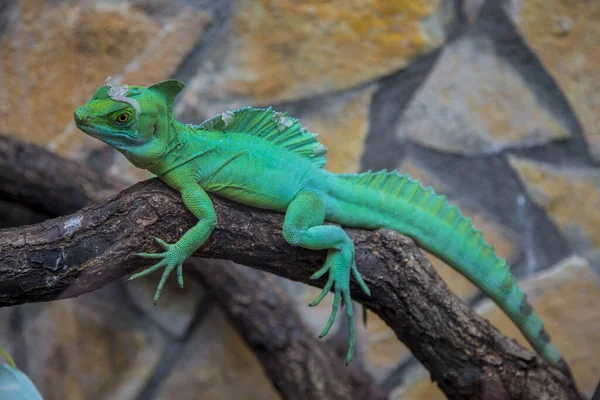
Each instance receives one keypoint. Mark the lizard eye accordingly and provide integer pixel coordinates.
(122, 118)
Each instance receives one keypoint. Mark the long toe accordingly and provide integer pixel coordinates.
(334, 310)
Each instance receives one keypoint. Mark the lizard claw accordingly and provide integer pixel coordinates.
(340, 265)
(170, 259)
(180, 275)
(162, 243)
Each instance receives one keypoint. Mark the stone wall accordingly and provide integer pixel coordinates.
(494, 103)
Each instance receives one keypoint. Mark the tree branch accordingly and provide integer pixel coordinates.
(24, 173)
(76, 254)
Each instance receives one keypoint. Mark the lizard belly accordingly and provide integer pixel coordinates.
(271, 191)
(265, 177)
(252, 197)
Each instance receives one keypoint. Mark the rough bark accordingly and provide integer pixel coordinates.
(468, 358)
(298, 364)
(24, 173)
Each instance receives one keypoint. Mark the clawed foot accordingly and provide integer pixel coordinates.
(337, 264)
(170, 259)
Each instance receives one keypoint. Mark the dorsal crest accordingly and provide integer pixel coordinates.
(276, 127)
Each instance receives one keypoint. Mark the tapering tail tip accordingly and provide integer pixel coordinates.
(564, 368)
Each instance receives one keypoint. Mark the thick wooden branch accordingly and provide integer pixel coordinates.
(24, 173)
(468, 358)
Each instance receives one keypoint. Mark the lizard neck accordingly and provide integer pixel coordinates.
(185, 145)
(178, 139)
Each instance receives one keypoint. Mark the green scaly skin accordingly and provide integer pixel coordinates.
(265, 159)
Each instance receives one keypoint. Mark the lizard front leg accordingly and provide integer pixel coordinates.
(303, 226)
(197, 201)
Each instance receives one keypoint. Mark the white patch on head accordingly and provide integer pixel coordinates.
(119, 93)
(227, 117)
(73, 224)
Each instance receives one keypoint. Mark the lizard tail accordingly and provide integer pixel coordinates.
(393, 201)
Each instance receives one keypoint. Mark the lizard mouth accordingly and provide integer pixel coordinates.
(90, 130)
(105, 135)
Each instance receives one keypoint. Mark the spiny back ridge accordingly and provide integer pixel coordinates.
(412, 191)
(275, 127)
(408, 208)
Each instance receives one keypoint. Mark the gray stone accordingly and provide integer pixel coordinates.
(570, 197)
(565, 35)
(474, 102)
(216, 364)
(471, 8)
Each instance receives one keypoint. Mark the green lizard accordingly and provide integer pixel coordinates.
(268, 160)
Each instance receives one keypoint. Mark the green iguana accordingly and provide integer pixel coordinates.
(266, 159)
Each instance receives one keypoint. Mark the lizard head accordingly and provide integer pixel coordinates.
(135, 120)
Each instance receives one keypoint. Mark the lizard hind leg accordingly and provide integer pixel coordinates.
(303, 227)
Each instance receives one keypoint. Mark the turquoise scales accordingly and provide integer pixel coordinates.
(266, 159)
(441, 229)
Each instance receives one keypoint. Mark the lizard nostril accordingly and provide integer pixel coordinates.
(81, 114)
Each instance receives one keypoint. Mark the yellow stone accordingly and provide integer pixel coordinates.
(570, 197)
(285, 49)
(55, 56)
(565, 34)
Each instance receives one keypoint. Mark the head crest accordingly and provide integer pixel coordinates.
(169, 89)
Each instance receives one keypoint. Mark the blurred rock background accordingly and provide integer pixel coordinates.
(495, 103)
